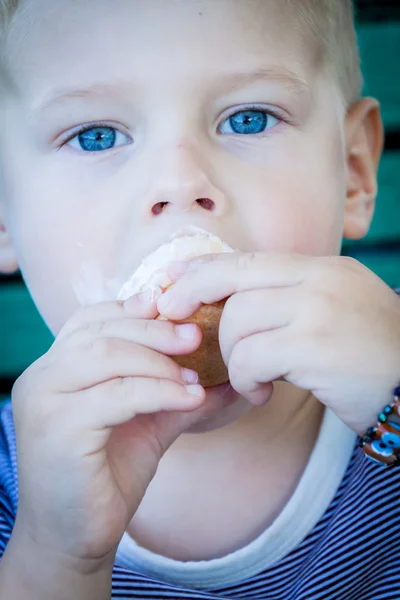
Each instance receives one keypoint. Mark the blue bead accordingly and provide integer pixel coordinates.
(397, 391)
(387, 410)
(381, 449)
(391, 439)
(382, 417)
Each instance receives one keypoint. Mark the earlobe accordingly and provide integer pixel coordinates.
(8, 259)
(364, 145)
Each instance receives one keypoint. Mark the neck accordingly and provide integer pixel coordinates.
(248, 468)
(290, 411)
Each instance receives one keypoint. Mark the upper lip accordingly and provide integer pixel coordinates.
(190, 230)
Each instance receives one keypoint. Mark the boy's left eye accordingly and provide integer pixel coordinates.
(98, 138)
(249, 122)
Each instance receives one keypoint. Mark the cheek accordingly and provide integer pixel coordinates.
(56, 241)
(71, 233)
(299, 209)
(48, 259)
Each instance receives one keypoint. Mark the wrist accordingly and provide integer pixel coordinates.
(381, 444)
(35, 572)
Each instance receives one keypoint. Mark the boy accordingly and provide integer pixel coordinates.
(121, 122)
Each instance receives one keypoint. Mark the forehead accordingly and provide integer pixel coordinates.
(62, 43)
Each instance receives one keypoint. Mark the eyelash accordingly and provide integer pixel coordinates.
(83, 128)
(254, 107)
(267, 111)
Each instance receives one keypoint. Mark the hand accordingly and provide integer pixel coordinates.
(328, 325)
(93, 417)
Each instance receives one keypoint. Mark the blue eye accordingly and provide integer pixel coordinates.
(249, 122)
(98, 139)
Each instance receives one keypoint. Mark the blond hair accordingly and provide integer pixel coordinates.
(328, 23)
(331, 25)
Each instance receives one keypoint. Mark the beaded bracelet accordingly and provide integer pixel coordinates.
(381, 444)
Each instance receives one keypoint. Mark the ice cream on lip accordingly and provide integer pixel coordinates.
(186, 243)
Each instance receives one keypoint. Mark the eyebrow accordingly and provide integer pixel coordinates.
(229, 81)
(61, 95)
(281, 74)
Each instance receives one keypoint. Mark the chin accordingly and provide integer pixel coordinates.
(224, 406)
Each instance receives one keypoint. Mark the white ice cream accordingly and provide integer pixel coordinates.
(186, 243)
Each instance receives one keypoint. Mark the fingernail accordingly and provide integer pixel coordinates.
(195, 390)
(189, 376)
(164, 301)
(187, 331)
(150, 295)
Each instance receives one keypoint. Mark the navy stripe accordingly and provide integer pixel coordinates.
(352, 552)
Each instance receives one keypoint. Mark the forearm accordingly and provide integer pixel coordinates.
(28, 574)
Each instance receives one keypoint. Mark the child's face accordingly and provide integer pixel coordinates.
(162, 80)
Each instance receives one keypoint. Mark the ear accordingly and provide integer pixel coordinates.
(8, 259)
(364, 145)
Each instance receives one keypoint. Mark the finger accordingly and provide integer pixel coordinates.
(272, 354)
(87, 364)
(139, 306)
(117, 401)
(247, 313)
(161, 335)
(219, 276)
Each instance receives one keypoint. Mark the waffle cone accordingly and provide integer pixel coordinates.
(207, 359)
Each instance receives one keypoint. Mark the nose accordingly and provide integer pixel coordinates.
(182, 182)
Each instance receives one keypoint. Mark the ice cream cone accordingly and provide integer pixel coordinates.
(207, 360)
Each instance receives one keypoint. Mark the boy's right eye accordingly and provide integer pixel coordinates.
(98, 138)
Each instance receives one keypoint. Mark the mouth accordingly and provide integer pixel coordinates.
(189, 230)
(187, 242)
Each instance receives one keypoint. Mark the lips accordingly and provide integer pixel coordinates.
(187, 242)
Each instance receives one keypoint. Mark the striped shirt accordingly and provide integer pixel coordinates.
(351, 552)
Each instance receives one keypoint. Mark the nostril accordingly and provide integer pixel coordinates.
(158, 208)
(206, 203)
